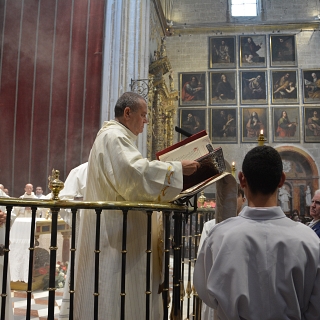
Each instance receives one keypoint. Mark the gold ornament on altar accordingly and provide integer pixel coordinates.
(202, 199)
(55, 184)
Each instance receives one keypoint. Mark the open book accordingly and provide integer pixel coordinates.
(197, 147)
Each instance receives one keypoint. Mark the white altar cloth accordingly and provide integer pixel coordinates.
(19, 249)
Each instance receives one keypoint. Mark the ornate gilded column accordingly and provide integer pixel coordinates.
(161, 116)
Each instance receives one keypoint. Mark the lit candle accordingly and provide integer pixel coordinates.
(233, 169)
(261, 139)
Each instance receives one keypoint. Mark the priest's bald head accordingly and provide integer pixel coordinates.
(131, 111)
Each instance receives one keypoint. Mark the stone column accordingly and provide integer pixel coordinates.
(125, 53)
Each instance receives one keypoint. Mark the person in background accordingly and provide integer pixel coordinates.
(39, 193)
(247, 267)
(315, 213)
(25, 211)
(3, 218)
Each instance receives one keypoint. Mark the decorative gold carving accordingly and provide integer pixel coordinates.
(162, 108)
(55, 185)
(161, 65)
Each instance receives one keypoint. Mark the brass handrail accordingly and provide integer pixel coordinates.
(115, 205)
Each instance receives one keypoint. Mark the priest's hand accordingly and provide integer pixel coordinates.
(3, 218)
(189, 167)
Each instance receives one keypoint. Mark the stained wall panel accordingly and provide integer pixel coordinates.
(48, 58)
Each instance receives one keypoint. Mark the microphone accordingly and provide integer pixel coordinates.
(185, 133)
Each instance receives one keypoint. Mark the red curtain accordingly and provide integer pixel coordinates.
(50, 81)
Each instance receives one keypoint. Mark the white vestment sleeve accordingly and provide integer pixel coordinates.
(133, 177)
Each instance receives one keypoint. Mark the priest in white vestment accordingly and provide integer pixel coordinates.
(74, 188)
(117, 171)
(260, 264)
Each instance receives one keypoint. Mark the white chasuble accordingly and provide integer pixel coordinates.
(117, 171)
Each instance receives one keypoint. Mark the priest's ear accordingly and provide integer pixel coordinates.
(242, 179)
(126, 112)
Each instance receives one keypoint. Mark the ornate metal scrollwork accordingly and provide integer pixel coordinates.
(140, 86)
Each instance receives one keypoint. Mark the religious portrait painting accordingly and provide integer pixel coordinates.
(311, 86)
(222, 52)
(224, 125)
(253, 87)
(254, 121)
(223, 88)
(192, 88)
(311, 124)
(284, 85)
(192, 121)
(283, 50)
(286, 124)
(253, 52)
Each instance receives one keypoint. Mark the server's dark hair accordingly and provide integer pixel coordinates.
(262, 167)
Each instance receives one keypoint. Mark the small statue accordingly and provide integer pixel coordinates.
(163, 48)
(171, 80)
(155, 55)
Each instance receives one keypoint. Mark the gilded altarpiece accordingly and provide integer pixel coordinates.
(162, 104)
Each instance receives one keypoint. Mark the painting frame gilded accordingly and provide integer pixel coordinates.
(253, 86)
(284, 128)
(311, 85)
(284, 86)
(224, 124)
(250, 129)
(311, 126)
(283, 50)
(193, 88)
(194, 123)
(222, 52)
(253, 53)
(223, 87)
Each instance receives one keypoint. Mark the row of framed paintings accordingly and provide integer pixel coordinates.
(224, 126)
(253, 86)
(252, 51)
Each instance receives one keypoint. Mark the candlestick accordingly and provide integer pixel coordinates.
(261, 139)
(233, 169)
(202, 199)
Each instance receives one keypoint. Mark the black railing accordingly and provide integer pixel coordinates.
(176, 220)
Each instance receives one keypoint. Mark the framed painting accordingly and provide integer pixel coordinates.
(311, 124)
(253, 51)
(223, 88)
(192, 120)
(283, 51)
(311, 86)
(224, 125)
(254, 121)
(253, 87)
(286, 124)
(192, 88)
(222, 52)
(284, 86)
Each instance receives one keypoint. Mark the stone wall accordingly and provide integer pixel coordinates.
(190, 53)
